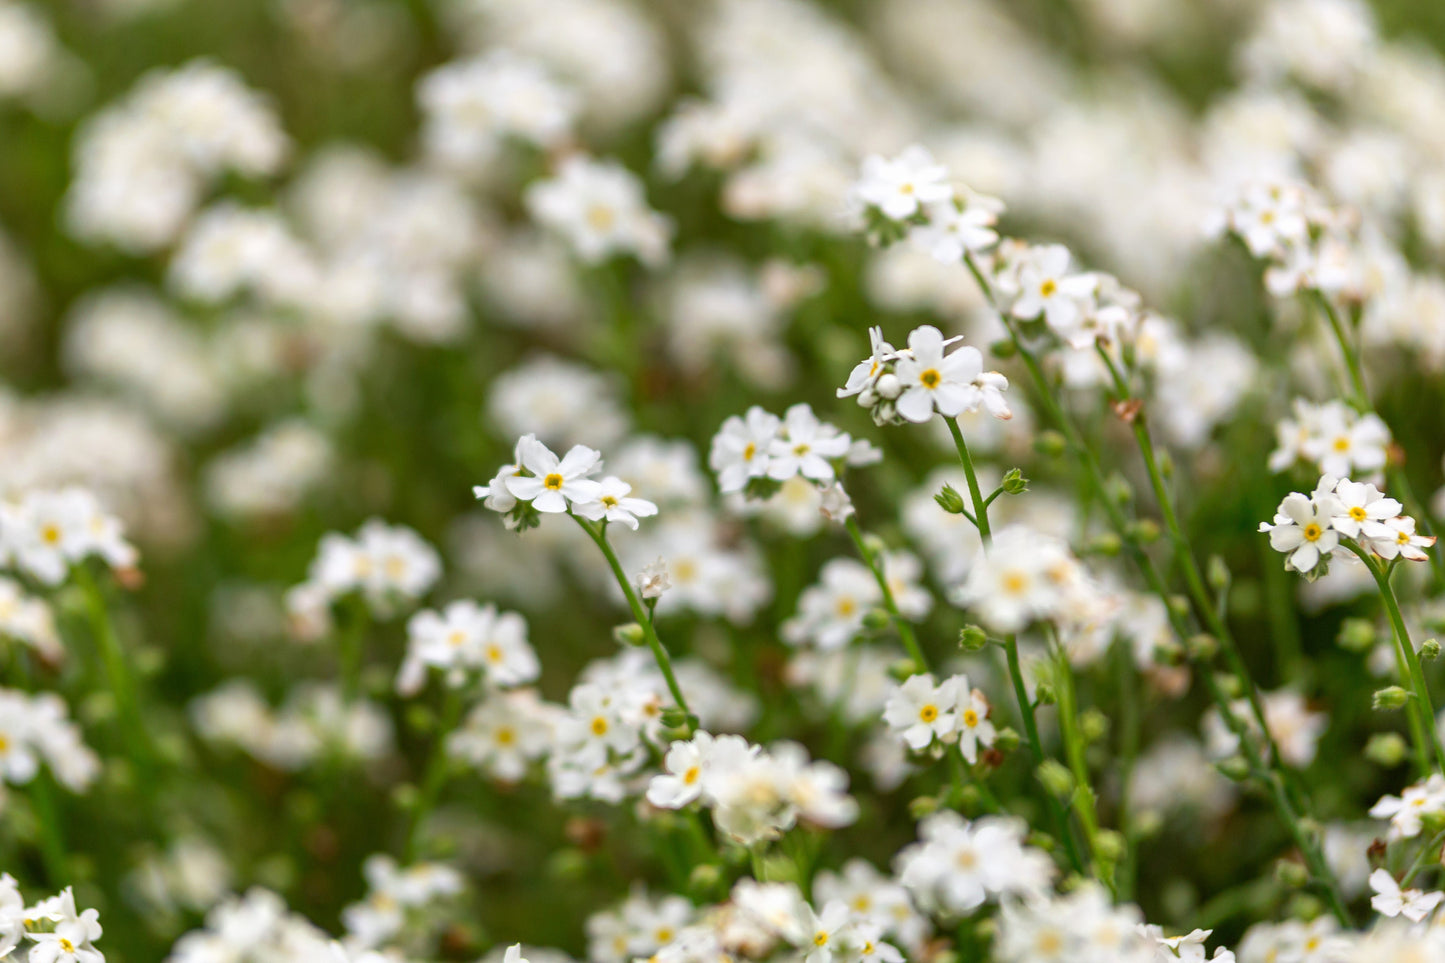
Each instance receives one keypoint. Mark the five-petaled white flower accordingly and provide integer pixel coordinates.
(553, 482)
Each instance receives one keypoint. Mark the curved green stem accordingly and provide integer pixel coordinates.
(598, 533)
(905, 631)
(975, 494)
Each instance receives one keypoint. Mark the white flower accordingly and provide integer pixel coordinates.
(686, 778)
(805, 446)
(1047, 288)
(1302, 528)
(920, 711)
(1391, 900)
(898, 187)
(953, 231)
(1361, 503)
(740, 448)
(933, 381)
(653, 580)
(611, 501)
(598, 206)
(865, 373)
(554, 483)
(1396, 536)
(974, 729)
(1406, 810)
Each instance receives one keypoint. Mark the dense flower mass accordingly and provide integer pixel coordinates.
(444, 515)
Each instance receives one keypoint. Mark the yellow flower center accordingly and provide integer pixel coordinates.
(66, 945)
(930, 378)
(1313, 532)
(599, 726)
(506, 736)
(50, 534)
(609, 500)
(395, 567)
(552, 481)
(1342, 443)
(846, 606)
(1402, 539)
(494, 652)
(750, 451)
(691, 776)
(1014, 583)
(1049, 943)
(1048, 288)
(820, 938)
(801, 449)
(970, 718)
(456, 639)
(928, 713)
(601, 217)
(4, 744)
(1357, 513)
(966, 859)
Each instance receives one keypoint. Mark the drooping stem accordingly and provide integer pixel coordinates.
(905, 631)
(598, 533)
(1404, 650)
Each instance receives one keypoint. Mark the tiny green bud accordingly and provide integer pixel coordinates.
(1055, 777)
(969, 799)
(950, 500)
(1003, 348)
(405, 796)
(1229, 685)
(1105, 543)
(1218, 573)
(903, 669)
(1179, 606)
(1145, 531)
(420, 718)
(1169, 653)
(629, 633)
(875, 545)
(1119, 490)
(1234, 768)
(972, 638)
(1390, 699)
(1430, 650)
(1042, 841)
(1166, 464)
(568, 864)
(674, 717)
(1305, 906)
(922, 806)
(1094, 725)
(1014, 482)
(1007, 739)
(704, 879)
(876, 620)
(1148, 823)
(1387, 749)
(1291, 874)
(1110, 845)
(1044, 694)
(1051, 443)
(1357, 635)
(1202, 646)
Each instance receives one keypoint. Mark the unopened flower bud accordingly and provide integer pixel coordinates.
(629, 633)
(972, 638)
(1390, 699)
(1357, 635)
(1055, 777)
(1229, 685)
(1003, 348)
(888, 386)
(1234, 768)
(1014, 482)
(675, 718)
(867, 398)
(876, 620)
(903, 669)
(1430, 650)
(1007, 740)
(1094, 725)
(1109, 846)
(1044, 694)
(1202, 647)
(1105, 543)
(1217, 572)
(1119, 490)
(836, 506)
(1291, 873)
(922, 806)
(1051, 443)
(1387, 749)
(950, 500)
(1145, 531)
(704, 879)
(653, 580)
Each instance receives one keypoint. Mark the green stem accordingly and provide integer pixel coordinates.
(905, 631)
(975, 494)
(1036, 747)
(436, 772)
(41, 790)
(122, 684)
(1084, 801)
(351, 645)
(1405, 651)
(1284, 807)
(598, 534)
(1129, 733)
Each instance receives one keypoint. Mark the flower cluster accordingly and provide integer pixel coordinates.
(315, 722)
(1334, 438)
(1308, 529)
(46, 532)
(53, 929)
(754, 794)
(393, 895)
(540, 482)
(463, 639)
(36, 728)
(599, 208)
(913, 383)
(948, 713)
(751, 453)
(959, 864)
(831, 613)
(388, 565)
